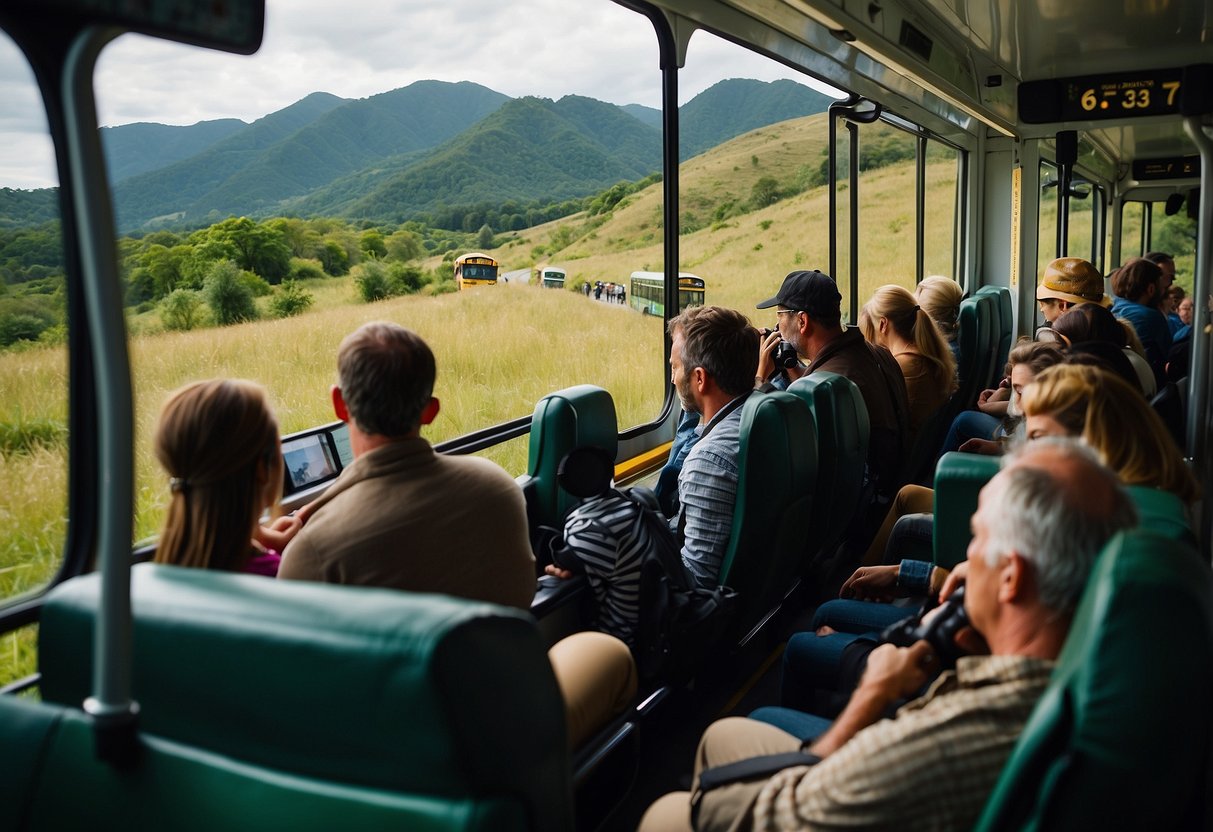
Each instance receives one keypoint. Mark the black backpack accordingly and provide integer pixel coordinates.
(679, 623)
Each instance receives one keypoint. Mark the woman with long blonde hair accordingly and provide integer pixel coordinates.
(218, 441)
(940, 298)
(1114, 419)
(894, 320)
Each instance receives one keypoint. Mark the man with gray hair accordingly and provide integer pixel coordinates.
(1039, 526)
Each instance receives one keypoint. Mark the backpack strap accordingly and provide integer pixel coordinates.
(751, 769)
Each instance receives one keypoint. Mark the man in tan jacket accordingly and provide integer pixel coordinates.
(404, 517)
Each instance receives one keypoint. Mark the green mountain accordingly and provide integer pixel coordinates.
(410, 150)
(131, 149)
(174, 189)
(646, 115)
(739, 105)
(531, 148)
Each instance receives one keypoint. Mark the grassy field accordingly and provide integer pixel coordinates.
(499, 349)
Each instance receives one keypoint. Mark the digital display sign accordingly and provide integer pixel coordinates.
(1173, 167)
(1117, 95)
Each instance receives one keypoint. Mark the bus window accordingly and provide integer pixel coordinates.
(1084, 221)
(753, 192)
(33, 358)
(944, 180)
(887, 208)
(381, 240)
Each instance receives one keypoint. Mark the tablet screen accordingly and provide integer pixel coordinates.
(308, 460)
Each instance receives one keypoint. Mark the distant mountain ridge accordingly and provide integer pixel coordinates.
(396, 154)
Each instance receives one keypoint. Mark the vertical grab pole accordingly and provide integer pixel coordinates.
(113, 711)
(1198, 376)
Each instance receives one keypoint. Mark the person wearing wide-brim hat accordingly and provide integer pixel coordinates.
(1066, 283)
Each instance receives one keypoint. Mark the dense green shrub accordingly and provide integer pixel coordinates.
(228, 294)
(290, 299)
(20, 326)
(404, 279)
(371, 280)
(302, 269)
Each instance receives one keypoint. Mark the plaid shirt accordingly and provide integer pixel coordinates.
(932, 767)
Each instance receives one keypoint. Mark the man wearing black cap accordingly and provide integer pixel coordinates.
(808, 310)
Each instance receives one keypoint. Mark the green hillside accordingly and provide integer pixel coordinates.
(131, 149)
(738, 105)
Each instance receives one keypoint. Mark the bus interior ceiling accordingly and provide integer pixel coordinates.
(1028, 96)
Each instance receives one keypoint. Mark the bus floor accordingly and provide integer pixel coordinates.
(749, 680)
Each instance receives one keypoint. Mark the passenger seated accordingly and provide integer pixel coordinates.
(893, 319)
(1064, 401)
(809, 317)
(1138, 285)
(1039, 526)
(940, 298)
(218, 441)
(713, 362)
(402, 516)
(1090, 322)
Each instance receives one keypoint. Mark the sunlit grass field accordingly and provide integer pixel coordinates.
(498, 349)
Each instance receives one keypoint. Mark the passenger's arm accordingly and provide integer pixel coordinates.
(278, 533)
(707, 490)
(892, 673)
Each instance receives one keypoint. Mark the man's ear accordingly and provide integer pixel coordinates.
(339, 407)
(699, 379)
(430, 411)
(1013, 578)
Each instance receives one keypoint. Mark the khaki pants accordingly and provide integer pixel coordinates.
(597, 679)
(728, 807)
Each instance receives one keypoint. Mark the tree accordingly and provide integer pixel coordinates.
(229, 297)
(404, 245)
(765, 192)
(181, 310)
(484, 237)
(257, 248)
(372, 243)
(333, 258)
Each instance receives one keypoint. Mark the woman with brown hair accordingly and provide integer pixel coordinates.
(894, 320)
(218, 441)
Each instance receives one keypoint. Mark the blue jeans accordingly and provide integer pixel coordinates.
(971, 424)
(797, 723)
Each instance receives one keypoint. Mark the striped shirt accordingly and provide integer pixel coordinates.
(607, 534)
(930, 768)
(707, 489)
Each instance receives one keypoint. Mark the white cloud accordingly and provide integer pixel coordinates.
(548, 48)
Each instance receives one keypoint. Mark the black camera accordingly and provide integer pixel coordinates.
(785, 354)
(940, 632)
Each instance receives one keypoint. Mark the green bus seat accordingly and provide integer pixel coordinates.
(1162, 513)
(841, 419)
(1121, 737)
(958, 480)
(562, 421)
(977, 344)
(50, 750)
(1004, 331)
(436, 699)
(777, 475)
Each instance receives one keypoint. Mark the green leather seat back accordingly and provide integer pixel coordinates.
(958, 480)
(49, 749)
(841, 419)
(562, 421)
(777, 473)
(976, 348)
(416, 694)
(1005, 330)
(1121, 737)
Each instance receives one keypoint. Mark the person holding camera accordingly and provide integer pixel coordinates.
(1039, 527)
(808, 310)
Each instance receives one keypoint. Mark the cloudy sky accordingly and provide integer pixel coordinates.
(548, 48)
